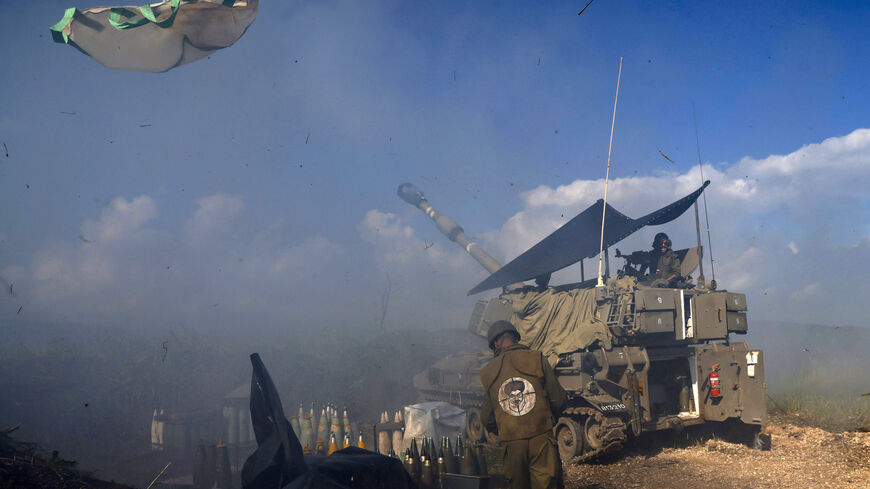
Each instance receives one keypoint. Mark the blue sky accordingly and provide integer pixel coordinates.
(263, 178)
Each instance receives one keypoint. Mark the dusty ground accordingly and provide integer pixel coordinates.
(801, 457)
(21, 467)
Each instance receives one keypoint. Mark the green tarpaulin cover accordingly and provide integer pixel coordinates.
(555, 321)
(155, 37)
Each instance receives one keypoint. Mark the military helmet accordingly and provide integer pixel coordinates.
(498, 328)
(657, 241)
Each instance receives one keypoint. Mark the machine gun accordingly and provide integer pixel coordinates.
(634, 263)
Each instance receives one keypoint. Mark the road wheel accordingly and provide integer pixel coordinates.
(762, 441)
(569, 437)
(473, 426)
(593, 433)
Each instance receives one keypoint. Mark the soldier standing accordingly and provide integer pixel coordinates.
(521, 403)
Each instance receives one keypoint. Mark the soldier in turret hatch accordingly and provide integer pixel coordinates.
(663, 261)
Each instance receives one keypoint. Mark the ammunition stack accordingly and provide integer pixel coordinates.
(431, 464)
(387, 433)
(443, 467)
(326, 434)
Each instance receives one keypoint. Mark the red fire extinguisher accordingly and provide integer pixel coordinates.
(713, 380)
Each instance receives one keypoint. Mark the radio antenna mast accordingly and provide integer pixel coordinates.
(706, 216)
(607, 179)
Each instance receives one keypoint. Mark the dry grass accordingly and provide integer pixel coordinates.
(831, 413)
(828, 396)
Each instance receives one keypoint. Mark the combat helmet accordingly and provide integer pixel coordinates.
(658, 240)
(498, 328)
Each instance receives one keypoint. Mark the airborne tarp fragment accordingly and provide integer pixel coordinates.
(155, 37)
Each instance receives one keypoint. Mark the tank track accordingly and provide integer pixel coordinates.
(613, 438)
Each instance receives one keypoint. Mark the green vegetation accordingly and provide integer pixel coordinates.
(825, 395)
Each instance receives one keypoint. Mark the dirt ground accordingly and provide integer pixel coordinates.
(801, 457)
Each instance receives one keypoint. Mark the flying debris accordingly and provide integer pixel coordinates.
(157, 37)
(584, 8)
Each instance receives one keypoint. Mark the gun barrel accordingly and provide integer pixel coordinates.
(448, 227)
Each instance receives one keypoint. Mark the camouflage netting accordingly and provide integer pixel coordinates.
(556, 321)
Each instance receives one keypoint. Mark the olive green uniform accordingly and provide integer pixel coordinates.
(521, 403)
(666, 264)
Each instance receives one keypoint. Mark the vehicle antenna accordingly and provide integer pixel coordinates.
(607, 179)
(706, 215)
(701, 279)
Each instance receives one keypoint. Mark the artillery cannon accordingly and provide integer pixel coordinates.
(634, 356)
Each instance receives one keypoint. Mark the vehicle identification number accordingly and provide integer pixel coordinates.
(614, 406)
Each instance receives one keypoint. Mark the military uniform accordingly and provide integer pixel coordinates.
(664, 265)
(521, 403)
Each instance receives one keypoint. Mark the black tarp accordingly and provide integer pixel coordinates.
(579, 238)
(278, 458)
(278, 461)
(354, 468)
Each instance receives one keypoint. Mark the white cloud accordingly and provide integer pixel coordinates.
(741, 272)
(94, 264)
(807, 201)
(214, 214)
(808, 292)
(126, 270)
(397, 244)
(428, 280)
(119, 219)
(783, 231)
(377, 225)
(812, 177)
(316, 249)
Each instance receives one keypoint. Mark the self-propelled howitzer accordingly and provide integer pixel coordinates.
(638, 355)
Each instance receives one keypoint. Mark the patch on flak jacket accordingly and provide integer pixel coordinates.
(516, 396)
